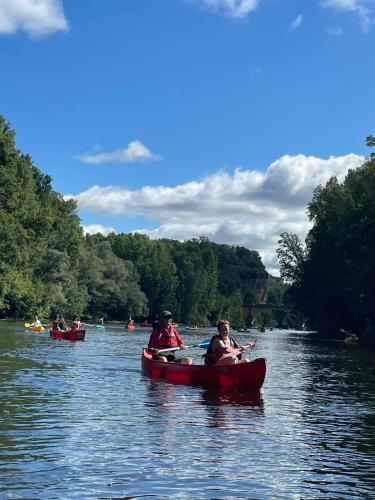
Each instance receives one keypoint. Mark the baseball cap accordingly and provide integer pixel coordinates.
(166, 314)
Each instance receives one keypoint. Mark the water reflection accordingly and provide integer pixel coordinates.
(220, 405)
(81, 421)
(219, 397)
(159, 394)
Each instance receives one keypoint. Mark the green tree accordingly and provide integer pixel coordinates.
(291, 255)
(112, 283)
(34, 220)
(336, 278)
(233, 310)
(154, 263)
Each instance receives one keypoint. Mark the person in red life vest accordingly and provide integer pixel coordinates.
(130, 324)
(59, 324)
(56, 323)
(165, 336)
(76, 323)
(223, 349)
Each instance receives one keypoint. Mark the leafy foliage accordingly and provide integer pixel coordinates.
(47, 266)
(334, 281)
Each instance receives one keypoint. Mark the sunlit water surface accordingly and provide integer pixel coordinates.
(79, 420)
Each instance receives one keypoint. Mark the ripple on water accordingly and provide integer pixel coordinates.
(80, 421)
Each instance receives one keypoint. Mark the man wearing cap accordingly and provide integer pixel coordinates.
(164, 336)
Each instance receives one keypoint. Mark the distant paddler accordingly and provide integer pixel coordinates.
(58, 324)
(36, 321)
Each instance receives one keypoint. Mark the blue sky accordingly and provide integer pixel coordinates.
(183, 118)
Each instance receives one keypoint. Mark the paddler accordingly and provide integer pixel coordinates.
(165, 336)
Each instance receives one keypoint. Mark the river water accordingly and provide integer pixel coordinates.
(79, 420)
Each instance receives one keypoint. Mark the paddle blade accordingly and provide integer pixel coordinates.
(27, 325)
(204, 344)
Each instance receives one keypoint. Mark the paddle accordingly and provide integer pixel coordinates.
(101, 327)
(65, 325)
(203, 345)
(249, 346)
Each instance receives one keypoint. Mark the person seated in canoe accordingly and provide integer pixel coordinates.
(36, 321)
(130, 323)
(76, 323)
(223, 349)
(58, 324)
(165, 336)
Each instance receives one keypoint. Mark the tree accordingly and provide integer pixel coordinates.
(197, 279)
(34, 221)
(337, 275)
(112, 284)
(291, 255)
(370, 142)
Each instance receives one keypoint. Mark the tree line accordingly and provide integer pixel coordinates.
(332, 275)
(48, 266)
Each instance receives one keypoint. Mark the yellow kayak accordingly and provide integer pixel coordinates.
(39, 328)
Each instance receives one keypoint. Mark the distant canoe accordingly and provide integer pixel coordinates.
(191, 328)
(145, 324)
(246, 375)
(72, 335)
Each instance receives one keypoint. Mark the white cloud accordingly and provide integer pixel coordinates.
(364, 9)
(249, 207)
(97, 228)
(135, 152)
(232, 8)
(296, 23)
(36, 17)
(335, 30)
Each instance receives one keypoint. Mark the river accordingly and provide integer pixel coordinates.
(79, 420)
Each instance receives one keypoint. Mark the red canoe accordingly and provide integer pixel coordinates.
(70, 335)
(247, 375)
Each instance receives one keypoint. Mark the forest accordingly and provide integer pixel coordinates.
(332, 274)
(49, 266)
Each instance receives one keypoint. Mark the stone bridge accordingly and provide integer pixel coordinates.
(253, 310)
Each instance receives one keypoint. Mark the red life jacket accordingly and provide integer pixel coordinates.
(55, 325)
(166, 337)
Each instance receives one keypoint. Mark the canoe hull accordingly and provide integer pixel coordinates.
(72, 335)
(245, 375)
